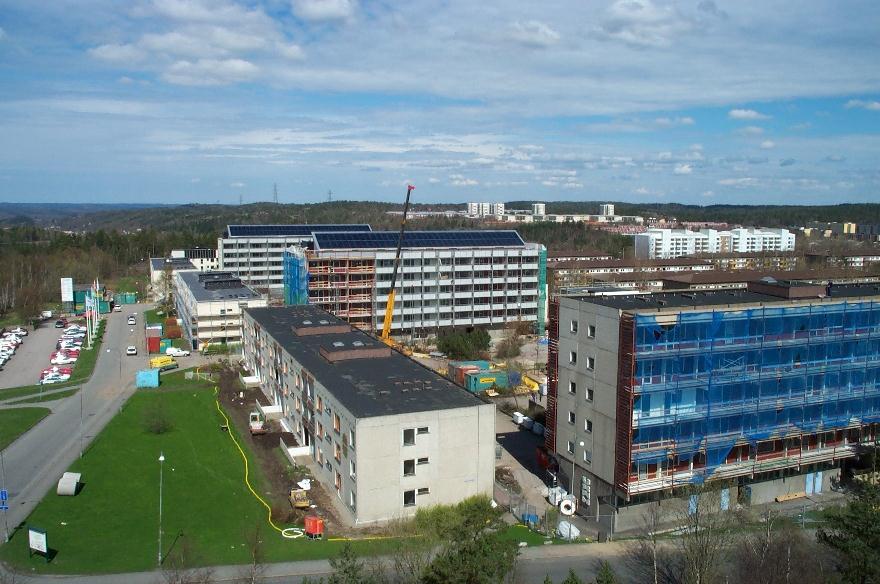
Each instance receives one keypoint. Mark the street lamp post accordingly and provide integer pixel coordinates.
(5, 511)
(161, 466)
(571, 483)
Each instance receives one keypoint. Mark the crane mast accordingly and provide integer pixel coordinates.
(389, 307)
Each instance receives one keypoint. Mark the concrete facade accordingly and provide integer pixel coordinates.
(672, 243)
(381, 453)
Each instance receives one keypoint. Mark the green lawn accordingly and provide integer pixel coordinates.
(152, 316)
(14, 423)
(111, 526)
(39, 398)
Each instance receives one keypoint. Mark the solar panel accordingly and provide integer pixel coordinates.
(289, 230)
(417, 239)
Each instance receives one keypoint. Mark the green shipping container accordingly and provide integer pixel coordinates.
(483, 380)
(103, 307)
(164, 345)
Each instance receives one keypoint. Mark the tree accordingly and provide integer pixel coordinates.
(464, 345)
(645, 557)
(472, 549)
(572, 578)
(254, 571)
(605, 574)
(349, 569)
(853, 533)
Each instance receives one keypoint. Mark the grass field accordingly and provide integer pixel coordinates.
(111, 526)
(40, 398)
(14, 423)
(152, 316)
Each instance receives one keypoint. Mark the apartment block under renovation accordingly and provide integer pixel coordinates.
(385, 434)
(766, 389)
(254, 252)
(446, 279)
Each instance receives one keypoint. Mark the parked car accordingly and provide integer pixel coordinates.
(175, 352)
(117, 308)
(131, 350)
(50, 379)
(60, 323)
(19, 331)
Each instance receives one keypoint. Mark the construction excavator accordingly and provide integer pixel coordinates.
(392, 292)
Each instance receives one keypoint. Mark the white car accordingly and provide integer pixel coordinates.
(175, 352)
(131, 350)
(11, 339)
(117, 308)
(19, 331)
(63, 360)
(54, 378)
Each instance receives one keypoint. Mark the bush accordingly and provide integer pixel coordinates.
(509, 348)
(157, 420)
(464, 345)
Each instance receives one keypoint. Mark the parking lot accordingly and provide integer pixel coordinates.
(31, 357)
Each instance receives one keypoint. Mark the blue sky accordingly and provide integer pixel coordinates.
(701, 101)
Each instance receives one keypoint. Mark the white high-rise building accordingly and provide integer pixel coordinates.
(674, 243)
(498, 208)
(539, 209)
(606, 210)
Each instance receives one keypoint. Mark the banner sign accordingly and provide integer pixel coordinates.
(66, 289)
(37, 541)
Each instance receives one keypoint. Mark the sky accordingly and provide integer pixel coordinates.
(698, 101)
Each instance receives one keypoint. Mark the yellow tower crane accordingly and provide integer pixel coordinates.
(389, 307)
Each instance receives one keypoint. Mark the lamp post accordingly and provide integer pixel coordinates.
(161, 466)
(571, 484)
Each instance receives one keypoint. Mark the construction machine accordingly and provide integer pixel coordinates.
(392, 292)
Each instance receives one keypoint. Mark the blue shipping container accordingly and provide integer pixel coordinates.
(147, 378)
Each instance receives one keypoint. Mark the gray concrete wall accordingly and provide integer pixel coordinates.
(767, 491)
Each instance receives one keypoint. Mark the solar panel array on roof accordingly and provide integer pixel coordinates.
(289, 230)
(415, 239)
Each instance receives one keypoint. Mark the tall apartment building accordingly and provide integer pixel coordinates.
(446, 279)
(767, 388)
(209, 304)
(475, 209)
(388, 435)
(606, 209)
(673, 243)
(254, 252)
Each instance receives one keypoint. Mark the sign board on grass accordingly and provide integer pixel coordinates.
(66, 289)
(37, 541)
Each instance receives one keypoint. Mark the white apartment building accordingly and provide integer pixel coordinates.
(673, 243)
(202, 258)
(482, 209)
(446, 279)
(386, 434)
(209, 304)
(254, 252)
(606, 209)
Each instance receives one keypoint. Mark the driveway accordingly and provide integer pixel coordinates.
(31, 357)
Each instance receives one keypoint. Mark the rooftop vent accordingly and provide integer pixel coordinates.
(338, 351)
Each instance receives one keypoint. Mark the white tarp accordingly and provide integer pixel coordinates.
(68, 483)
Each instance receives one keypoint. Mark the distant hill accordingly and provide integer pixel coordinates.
(45, 214)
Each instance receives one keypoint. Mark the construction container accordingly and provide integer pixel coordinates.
(475, 381)
(164, 345)
(154, 330)
(103, 307)
(514, 378)
(125, 298)
(154, 344)
(314, 527)
(462, 372)
(147, 378)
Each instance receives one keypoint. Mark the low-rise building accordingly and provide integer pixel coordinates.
(659, 243)
(209, 306)
(386, 435)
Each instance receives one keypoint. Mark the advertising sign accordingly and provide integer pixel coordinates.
(66, 289)
(487, 380)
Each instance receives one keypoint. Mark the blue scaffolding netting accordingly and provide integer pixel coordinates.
(296, 277)
(707, 381)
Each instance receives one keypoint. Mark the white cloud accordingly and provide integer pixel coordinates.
(739, 182)
(237, 184)
(751, 131)
(324, 10)
(290, 51)
(746, 114)
(666, 122)
(858, 103)
(533, 33)
(708, 194)
(126, 54)
(768, 144)
(641, 23)
(433, 180)
(458, 180)
(683, 169)
(210, 72)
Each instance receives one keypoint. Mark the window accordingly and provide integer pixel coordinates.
(336, 423)
(572, 387)
(351, 439)
(574, 326)
(591, 331)
(352, 500)
(572, 357)
(591, 363)
(337, 452)
(422, 460)
(409, 437)
(589, 395)
(352, 469)
(571, 417)
(423, 430)
(424, 491)
(338, 483)
(409, 498)
(320, 407)
(588, 425)
(588, 456)
(570, 447)
(409, 467)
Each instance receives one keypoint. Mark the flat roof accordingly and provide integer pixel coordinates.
(300, 230)
(630, 263)
(694, 299)
(419, 239)
(175, 263)
(367, 387)
(195, 281)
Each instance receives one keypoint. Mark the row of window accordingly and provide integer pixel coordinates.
(572, 389)
(591, 329)
(573, 360)
(587, 454)
(588, 424)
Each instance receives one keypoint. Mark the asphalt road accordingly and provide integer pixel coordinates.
(34, 463)
(31, 357)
